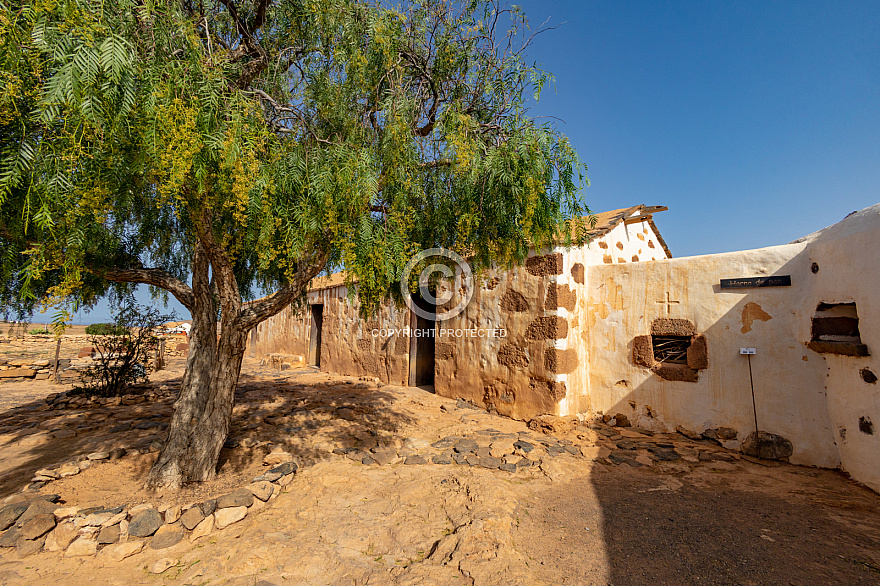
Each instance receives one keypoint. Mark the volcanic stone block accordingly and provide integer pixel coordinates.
(768, 446)
(513, 301)
(512, 356)
(560, 361)
(542, 266)
(672, 327)
(698, 353)
(547, 328)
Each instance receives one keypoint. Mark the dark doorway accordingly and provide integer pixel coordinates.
(421, 346)
(315, 336)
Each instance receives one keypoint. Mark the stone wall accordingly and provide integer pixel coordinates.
(514, 374)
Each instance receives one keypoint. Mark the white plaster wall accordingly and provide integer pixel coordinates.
(623, 300)
(636, 239)
(848, 257)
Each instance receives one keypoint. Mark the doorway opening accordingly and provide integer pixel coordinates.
(315, 335)
(421, 346)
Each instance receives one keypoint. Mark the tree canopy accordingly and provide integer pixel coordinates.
(291, 134)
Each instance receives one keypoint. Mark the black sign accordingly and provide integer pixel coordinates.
(749, 282)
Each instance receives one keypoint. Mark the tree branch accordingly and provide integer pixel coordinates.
(222, 271)
(259, 310)
(150, 276)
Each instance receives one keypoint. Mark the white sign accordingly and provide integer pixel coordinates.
(747, 351)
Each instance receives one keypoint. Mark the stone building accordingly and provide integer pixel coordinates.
(620, 328)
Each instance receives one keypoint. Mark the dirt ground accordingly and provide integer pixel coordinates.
(593, 505)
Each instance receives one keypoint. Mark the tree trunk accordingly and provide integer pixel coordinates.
(203, 410)
(202, 413)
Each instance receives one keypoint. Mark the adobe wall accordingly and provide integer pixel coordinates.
(348, 343)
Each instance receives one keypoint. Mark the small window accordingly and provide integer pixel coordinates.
(671, 349)
(835, 330)
(836, 322)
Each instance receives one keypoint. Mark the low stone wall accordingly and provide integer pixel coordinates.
(31, 523)
(32, 357)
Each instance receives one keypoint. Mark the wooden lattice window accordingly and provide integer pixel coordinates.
(671, 349)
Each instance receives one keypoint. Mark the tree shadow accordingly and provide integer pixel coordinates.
(294, 412)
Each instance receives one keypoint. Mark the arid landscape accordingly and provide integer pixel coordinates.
(395, 485)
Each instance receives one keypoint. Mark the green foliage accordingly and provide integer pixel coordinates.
(131, 131)
(106, 330)
(39, 332)
(122, 351)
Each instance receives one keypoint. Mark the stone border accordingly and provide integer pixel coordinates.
(114, 533)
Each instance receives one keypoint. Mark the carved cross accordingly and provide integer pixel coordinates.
(668, 302)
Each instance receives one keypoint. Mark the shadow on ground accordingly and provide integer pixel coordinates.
(799, 526)
(296, 411)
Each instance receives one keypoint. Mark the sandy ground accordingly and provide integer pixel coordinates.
(604, 510)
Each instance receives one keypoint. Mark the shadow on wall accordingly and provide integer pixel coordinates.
(809, 372)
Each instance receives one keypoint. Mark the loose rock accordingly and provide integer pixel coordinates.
(82, 547)
(172, 514)
(109, 534)
(262, 490)
(240, 498)
(192, 517)
(276, 458)
(38, 526)
(61, 537)
(119, 551)
(162, 565)
(68, 470)
(27, 547)
(204, 528)
(166, 536)
(225, 517)
(145, 523)
(10, 514)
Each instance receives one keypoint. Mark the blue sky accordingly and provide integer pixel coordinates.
(755, 122)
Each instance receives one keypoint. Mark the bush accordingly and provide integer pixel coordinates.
(106, 330)
(38, 332)
(122, 355)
